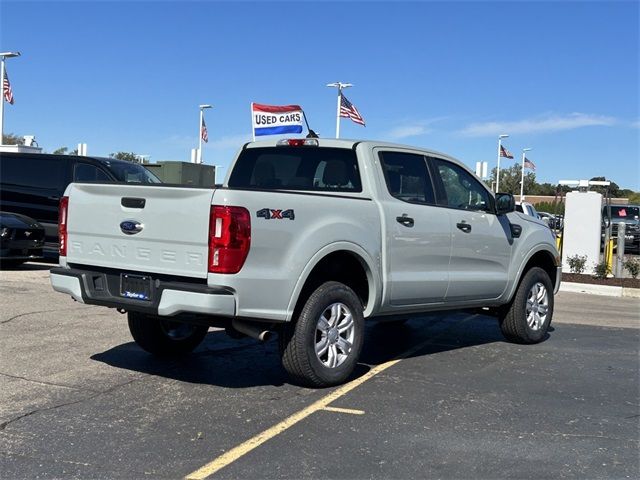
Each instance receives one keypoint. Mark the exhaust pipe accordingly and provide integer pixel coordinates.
(252, 330)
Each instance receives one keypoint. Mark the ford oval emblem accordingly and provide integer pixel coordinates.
(131, 227)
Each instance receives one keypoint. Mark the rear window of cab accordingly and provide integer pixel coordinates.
(297, 168)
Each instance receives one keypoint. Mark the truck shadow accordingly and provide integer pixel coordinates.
(229, 363)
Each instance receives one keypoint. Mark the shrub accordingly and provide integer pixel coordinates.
(601, 270)
(632, 265)
(577, 263)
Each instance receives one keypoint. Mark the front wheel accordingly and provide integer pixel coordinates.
(528, 317)
(321, 348)
(165, 337)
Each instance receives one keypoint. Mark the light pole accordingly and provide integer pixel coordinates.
(340, 86)
(202, 107)
(500, 137)
(3, 56)
(524, 150)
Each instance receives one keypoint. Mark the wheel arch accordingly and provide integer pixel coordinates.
(345, 262)
(541, 257)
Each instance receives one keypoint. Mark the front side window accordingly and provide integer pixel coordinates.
(407, 177)
(461, 189)
(85, 172)
(297, 168)
(131, 172)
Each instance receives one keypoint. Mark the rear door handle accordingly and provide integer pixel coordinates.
(465, 227)
(405, 220)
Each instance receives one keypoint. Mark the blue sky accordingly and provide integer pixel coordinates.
(561, 77)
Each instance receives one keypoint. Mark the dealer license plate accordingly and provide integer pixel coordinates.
(137, 287)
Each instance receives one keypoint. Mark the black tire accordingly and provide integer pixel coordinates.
(298, 339)
(513, 322)
(11, 263)
(164, 337)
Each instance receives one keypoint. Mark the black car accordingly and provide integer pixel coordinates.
(32, 184)
(630, 216)
(21, 239)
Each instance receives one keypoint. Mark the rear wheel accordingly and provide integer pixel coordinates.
(321, 348)
(528, 317)
(163, 337)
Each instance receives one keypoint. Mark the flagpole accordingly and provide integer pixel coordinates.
(338, 111)
(339, 86)
(524, 150)
(500, 137)
(2, 101)
(3, 56)
(199, 157)
(253, 130)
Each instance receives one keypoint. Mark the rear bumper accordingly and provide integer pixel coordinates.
(168, 297)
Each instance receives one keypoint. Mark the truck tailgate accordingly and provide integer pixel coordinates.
(172, 233)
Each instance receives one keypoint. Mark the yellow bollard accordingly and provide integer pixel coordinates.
(559, 242)
(608, 255)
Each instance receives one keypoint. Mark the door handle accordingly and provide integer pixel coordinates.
(465, 227)
(54, 197)
(405, 220)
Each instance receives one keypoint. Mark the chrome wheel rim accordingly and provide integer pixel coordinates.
(177, 330)
(537, 308)
(335, 332)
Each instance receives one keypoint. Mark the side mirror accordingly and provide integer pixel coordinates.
(505, 203)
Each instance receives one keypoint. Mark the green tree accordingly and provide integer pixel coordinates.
(510, 180)
(614, 189)
(60, 151)
(128, 156)
(12, 139)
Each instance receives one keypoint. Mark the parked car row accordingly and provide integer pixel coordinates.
(21, 239)
(31, 185)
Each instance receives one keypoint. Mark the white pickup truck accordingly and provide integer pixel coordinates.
(307, 238)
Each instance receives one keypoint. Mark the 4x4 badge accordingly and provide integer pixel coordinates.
(270, 213)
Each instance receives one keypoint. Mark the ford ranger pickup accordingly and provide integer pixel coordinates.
(308, 238)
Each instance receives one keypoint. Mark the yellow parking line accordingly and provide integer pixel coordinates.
(344, 410)
(245, 447)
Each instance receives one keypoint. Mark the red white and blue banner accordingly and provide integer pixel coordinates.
(276, 120)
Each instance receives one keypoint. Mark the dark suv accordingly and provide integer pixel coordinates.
(630, 216)
(32, 184)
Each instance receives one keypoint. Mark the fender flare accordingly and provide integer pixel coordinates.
(371, 268)
(540, 247)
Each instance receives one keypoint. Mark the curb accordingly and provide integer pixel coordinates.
(604, 290)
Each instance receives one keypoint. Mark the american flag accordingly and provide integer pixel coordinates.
(203, 132)
(6, 89)
(505, 153)
(349, 110)
(529, 164)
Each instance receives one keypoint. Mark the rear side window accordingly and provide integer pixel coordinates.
(407, 177)
(34, 172)
(297, 168)
(85, 172)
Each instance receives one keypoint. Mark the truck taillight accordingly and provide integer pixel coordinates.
(229, 238)
(62, 225)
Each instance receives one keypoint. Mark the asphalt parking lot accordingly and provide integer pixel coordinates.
(442, 396)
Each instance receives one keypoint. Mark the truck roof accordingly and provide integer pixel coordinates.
(350, 143)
